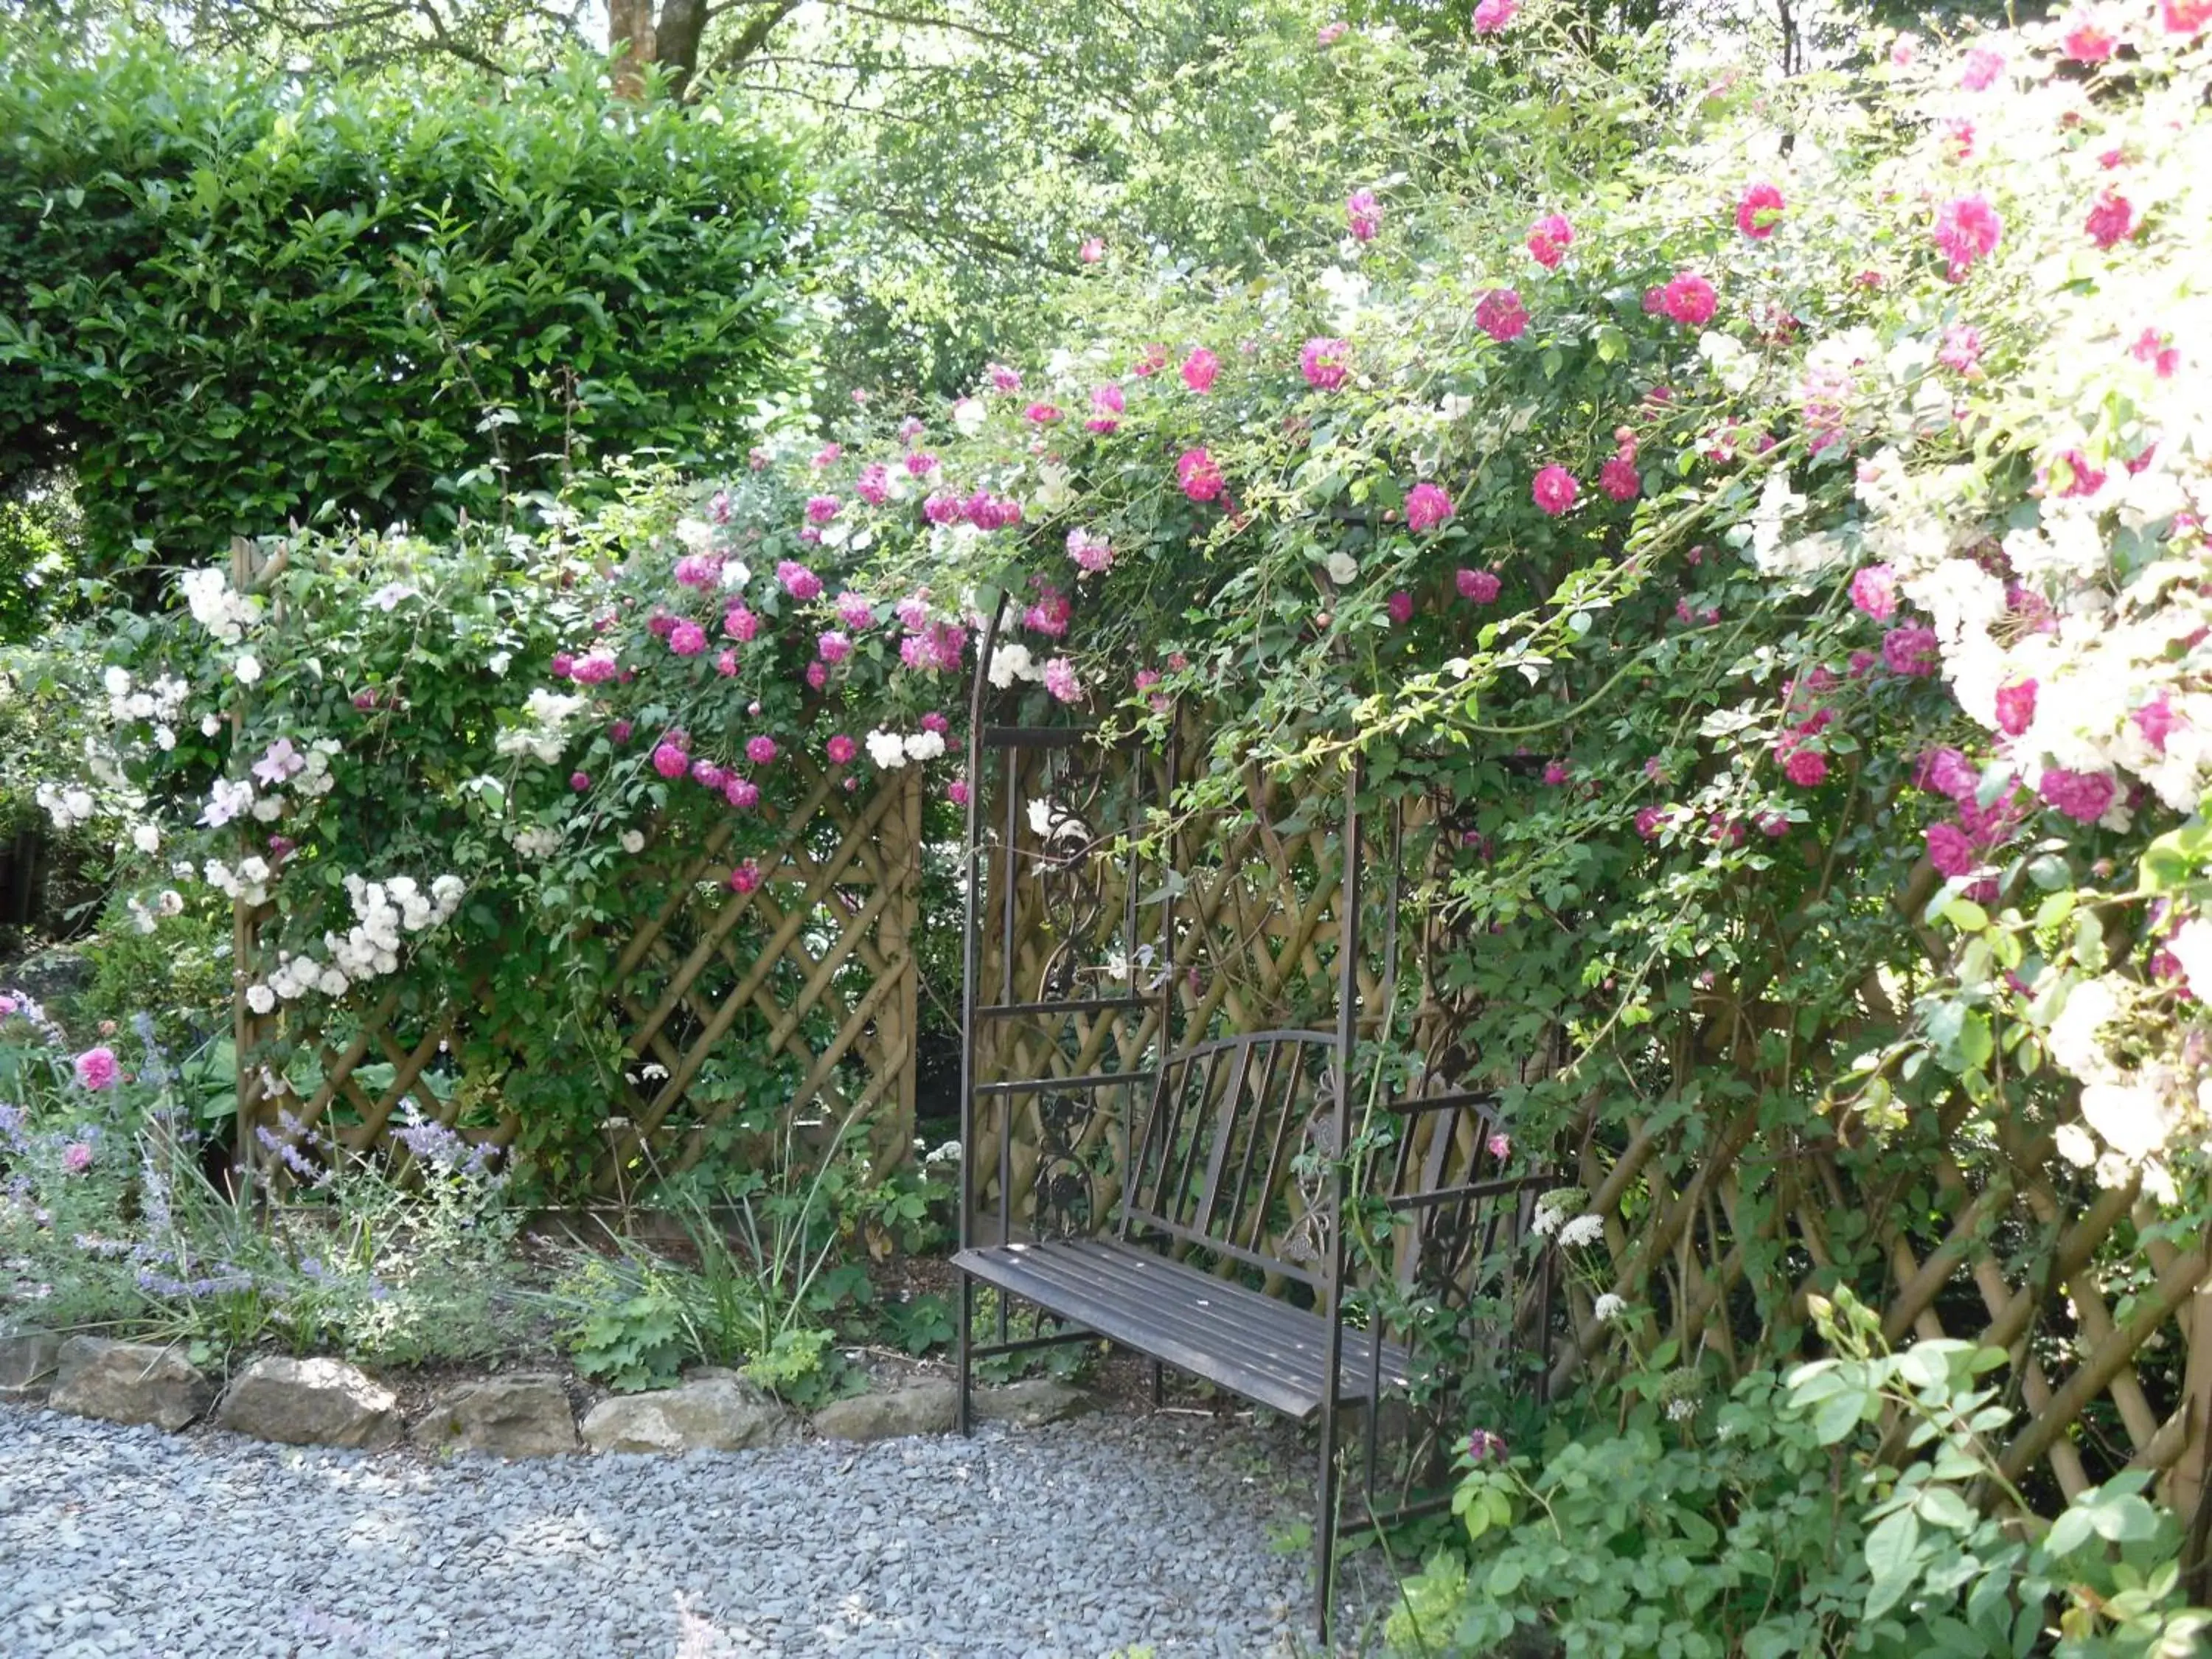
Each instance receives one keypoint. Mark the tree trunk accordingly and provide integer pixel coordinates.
(630, 39)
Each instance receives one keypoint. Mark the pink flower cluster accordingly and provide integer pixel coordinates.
(1198, 475)
(1091, 552)
(1967, 230)
(1324, 363)
(1758, 210)
(1426, 507)
(1492, 16)
(1363, 215)
(1200, 368)
(1106, 406)
(934, 647)
(1554, 490)
(982, 509)
(1689, 298)
(1052, 611)
(1617, 477)
(798, 580)
(1480, 586)
(1549, 238)
(1500, 314)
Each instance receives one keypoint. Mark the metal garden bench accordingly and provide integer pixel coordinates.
(1224, 1256)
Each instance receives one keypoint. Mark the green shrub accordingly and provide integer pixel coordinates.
(236, 297)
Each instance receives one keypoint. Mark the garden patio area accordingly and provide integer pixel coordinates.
(1200, 829)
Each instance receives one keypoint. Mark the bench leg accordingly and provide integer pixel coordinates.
(1325, 1524)
(964, 1361)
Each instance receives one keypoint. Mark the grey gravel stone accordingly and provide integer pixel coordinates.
(28, 1361)
(718, 1412)
(923, 1407)
(128, 1383)
(1068, 1541)
(523, 1415)
(310, 1402)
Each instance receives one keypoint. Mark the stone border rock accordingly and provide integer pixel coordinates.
(328, 1402)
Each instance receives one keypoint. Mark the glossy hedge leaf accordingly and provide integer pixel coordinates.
(231, 298)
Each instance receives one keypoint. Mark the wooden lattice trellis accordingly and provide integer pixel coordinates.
(820, 953)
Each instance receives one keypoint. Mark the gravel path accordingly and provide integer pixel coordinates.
(1077, 1539)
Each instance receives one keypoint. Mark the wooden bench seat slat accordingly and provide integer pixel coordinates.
(1252, 1345)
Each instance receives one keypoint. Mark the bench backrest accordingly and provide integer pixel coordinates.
(1219, 1161)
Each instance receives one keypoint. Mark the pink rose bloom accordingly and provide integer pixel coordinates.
(1426, 507)
(1200, 478)
(1499, 1145)
(1322, 363)
(1910, 651)
(1151, 360)
(2112, 219)
(1617, 478)
(1200, 368)
(841, 749)
(1042, 414)
(1758, 210)
(726, 664)
(1554, 490)
(1649, 820)
(742, 794)
(1961, 350)
(2015, 707)
(96, 1068)
(580, 782)
(2185, 17)
(798, 580)
(1689, 298)
(1107, 405)
(1331, 33)
(2087, 41)
(1967, 230)
(1363, 215)
(2156, 347)
(76, 1158)
(1003, 379)
(745, 878)
(1400, 605)
(1549, 238)
(1491, 17)
(661, 625)
(957, 791)
(761, 751)
(620, 731)
(1982, 68)
(739, 623)
(1773, 825)
(833, 646)
(1557, 773)
(687, 638)
(1873, 590)
(1092, 251)
(698, 570)
(1060, 680)
(855, 612)
(820, 509)
(670, 761)
(874, 483)
(941, 509)
(2157, 722)
(1500, 315)
(1480, 586)
(817, 674)
(1950, 850)
(2084, 796)
(1806, 768)
(1091, 552)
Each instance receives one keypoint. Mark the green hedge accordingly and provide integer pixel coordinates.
(229, 297)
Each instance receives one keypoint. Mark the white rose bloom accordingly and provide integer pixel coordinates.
(2192, 945)
(2130, 1115)
(117, 680)
(498, 661)
(165, 737)
(735, 575)
(2076, 1145)
(633, 840)
(887, 748)
(2073, 1040)
(1342, 569)
(332, 983)
(695, 533)
(969, 416)
(247, 668)
(147, 838)
(210, 725)
(260, 998)
(924, 747)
